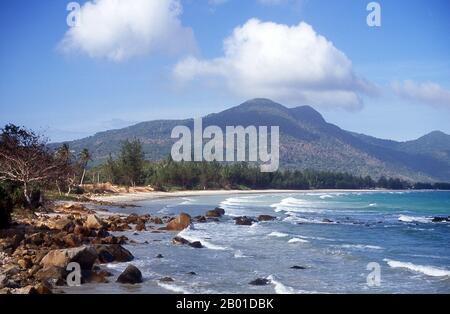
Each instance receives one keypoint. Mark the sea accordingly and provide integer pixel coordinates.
(320, 242)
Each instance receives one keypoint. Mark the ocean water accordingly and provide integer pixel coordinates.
(334, 236)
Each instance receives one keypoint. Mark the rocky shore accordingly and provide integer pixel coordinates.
(37, 253)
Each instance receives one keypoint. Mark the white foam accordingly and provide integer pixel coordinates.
(173, 288)
(292, 204)
(280, 288)
(372, 204)
(239, 254)
(426, 270)
(361, 246)
(297, 240)
(193, 235)
(325, 196)
(278, 234)
(405, 218)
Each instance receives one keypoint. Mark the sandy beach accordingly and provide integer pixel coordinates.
(140, 196)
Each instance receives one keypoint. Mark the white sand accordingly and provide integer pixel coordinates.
(141, 196)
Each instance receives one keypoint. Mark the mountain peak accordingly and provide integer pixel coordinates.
(307, 114)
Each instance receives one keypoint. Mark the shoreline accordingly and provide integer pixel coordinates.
(143, 196)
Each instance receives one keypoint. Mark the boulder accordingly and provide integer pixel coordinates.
(166, 279)
(108, 253)
(181, 222)
(84, 255)
(131, 275)
(54, 274)
(63, 224)
(215, 213)
(266, 218)
(259, 282)
(244, 221)
(94, 222)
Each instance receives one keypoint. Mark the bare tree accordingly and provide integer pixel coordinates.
(25, 159)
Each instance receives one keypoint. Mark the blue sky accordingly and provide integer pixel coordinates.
(158, 62)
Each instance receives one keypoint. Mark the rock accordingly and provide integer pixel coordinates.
(113, 253)
(71, 240)
(298, 267)
(192, 273)
(259, 282)
(95, 276)
(157, 221)
(132, 218)
(266, 218)
(166, 279)
(141, 226)
(196, 244)
(63, 224)
(243, 221)
(84, 255)
(26, 290)
(440, 219)
(215, 213)
(201, 219)
(131, 275)
(75, 207)
(180, 241)
(25, 263)
(43, 288)
(94, 222)
(159, 256)
(181, 222)
(80, 230)
(54, 274)
(326, 220)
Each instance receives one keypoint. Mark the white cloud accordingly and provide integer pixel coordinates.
(287, 63)
(427, 93)
(121, 29)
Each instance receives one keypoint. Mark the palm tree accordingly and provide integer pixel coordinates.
(84, 158)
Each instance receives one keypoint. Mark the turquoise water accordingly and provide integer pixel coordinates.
(333, 235)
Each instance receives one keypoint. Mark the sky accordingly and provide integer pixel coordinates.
(112, 63)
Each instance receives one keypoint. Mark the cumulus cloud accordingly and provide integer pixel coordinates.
(286, 63)
(427, 93)
(121, 29)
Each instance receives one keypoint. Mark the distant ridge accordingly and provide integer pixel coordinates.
(307, 141)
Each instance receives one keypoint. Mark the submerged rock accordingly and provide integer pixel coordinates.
(131, 275)
(244, 221)
(259, 282)
(441, 219)
(181, 241)
(266, 218)
(167, 279)
(215, 213)
(298, 267)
